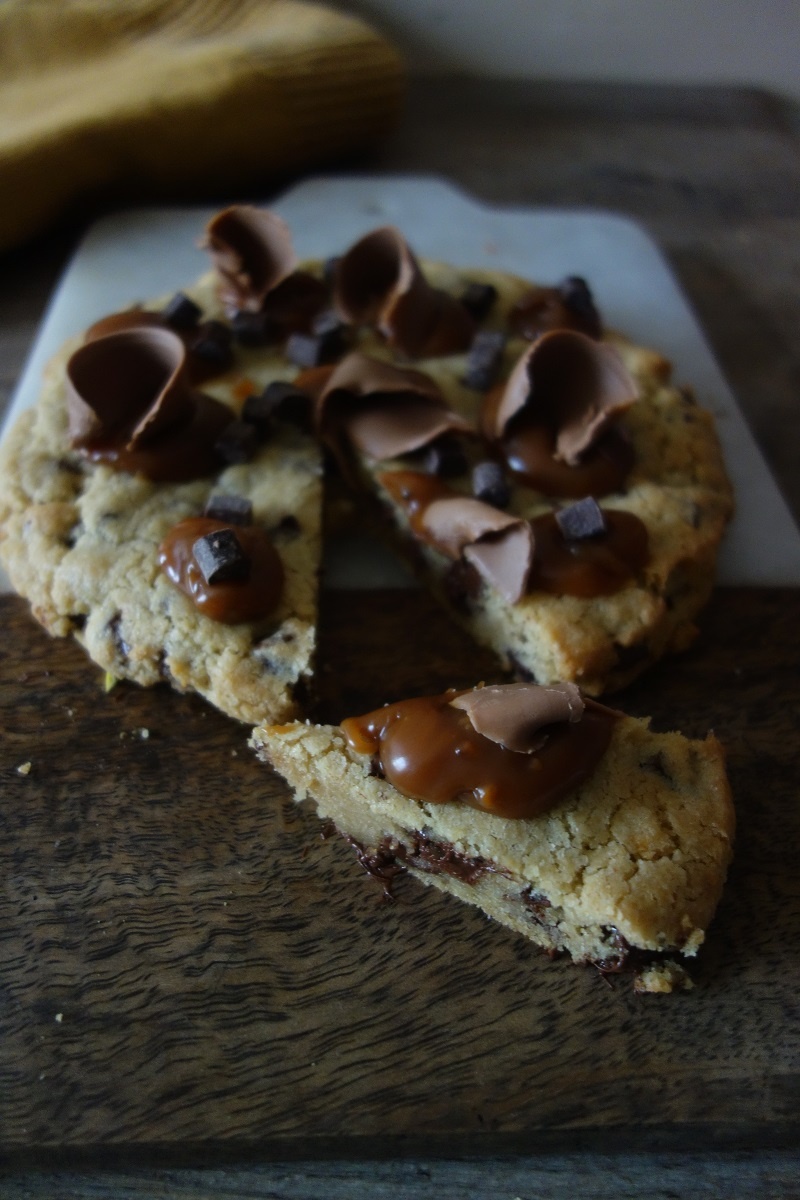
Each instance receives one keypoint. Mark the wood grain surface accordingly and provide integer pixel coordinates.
(713, 174)
(191, 968)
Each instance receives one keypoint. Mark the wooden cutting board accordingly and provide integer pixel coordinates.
(192, 969)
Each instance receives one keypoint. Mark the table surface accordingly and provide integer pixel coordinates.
(714, 176)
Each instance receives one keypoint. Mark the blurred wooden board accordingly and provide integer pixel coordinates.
(190, 968)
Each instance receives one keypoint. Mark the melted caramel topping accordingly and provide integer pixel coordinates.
(529, 452)
(234, 601)
(414, 491)
(596, 566)
(430, 751)
(588, 567)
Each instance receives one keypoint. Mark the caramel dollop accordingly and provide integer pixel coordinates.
(233, 601)
(596, 566)
(379, 282)
(433, 748)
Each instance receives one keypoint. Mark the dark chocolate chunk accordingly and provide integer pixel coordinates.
(478, 299)
(324, 344)
(285, 402)
(287, 529)
(254, 329)
(489, 484)
(444, 457)
(583, 519)
(213, 344)
(257, 411)
(220, 557)
(577, 297)
(181, 312)
(233, 510)
(485, 359)
(237, 443)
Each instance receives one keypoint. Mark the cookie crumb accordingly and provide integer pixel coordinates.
(24, 768)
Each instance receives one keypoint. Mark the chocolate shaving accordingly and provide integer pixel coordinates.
(515, 715)
(572, 384)
(379, 282)
(500, 547)
(131, 386)
(252, 253)
(383, 410)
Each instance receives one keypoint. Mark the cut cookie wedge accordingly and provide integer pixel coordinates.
(161, 419)
(541, 411)
(618, 841)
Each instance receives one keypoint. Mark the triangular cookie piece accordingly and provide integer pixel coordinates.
(571, 824)
(561, 498)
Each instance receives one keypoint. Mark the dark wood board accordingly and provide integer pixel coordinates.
(189, 967)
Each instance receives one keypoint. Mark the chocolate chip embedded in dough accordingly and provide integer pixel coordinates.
(213, 344)
(489, 484)
(181, 312)
(254, 328)
(285, 402)
(237, 443)
(444, 457)
(287, 529)
(258, 411)
(478, 299)
(485, 359)
(233, 510)
(220, 557)
(582, 520)
(324, 344)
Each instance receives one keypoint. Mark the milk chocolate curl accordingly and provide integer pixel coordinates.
(515, 714)
(252, 253)
(379, 282)
(572, 384)
(130, 385)
(383, 410)
(500, 547)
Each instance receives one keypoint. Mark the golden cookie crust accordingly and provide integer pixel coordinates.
(678, 487)
(633, 860)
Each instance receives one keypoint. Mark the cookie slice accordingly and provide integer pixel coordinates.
(571, 824)
(162, 501)
(463, 435)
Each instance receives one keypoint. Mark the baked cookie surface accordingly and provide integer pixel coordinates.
(625, 870)
(80, 541)
(676, 486)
